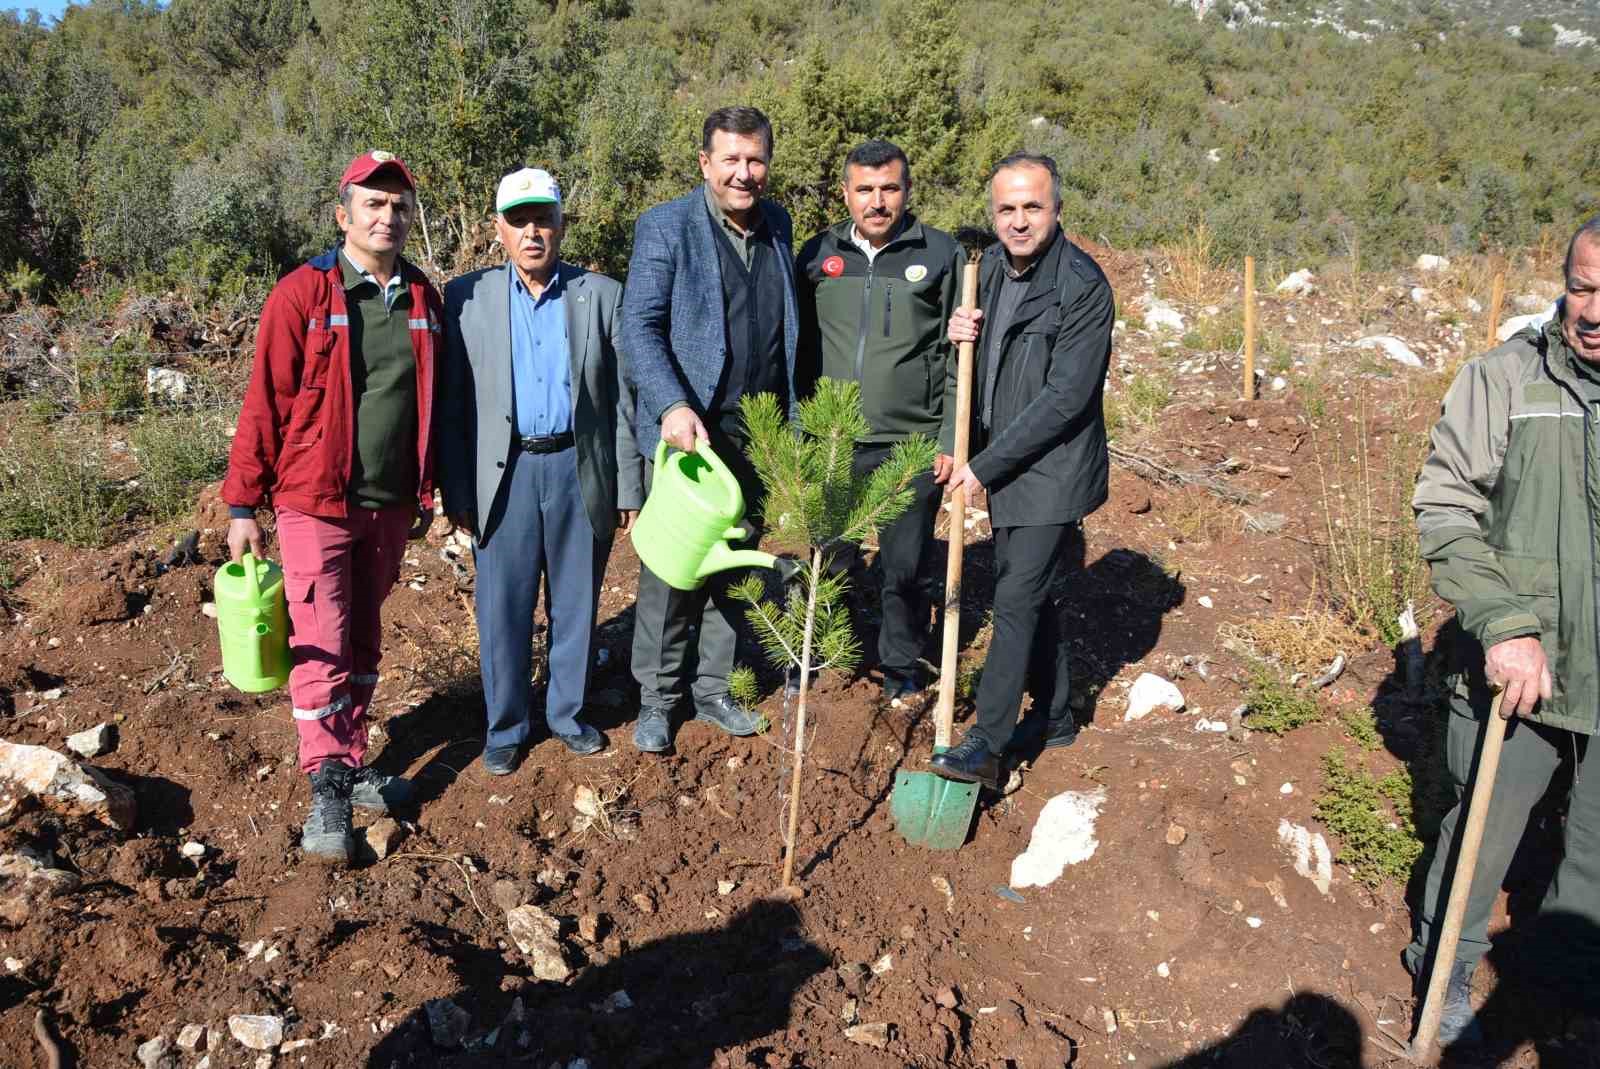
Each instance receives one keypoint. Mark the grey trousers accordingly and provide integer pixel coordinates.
(662, 656)
(1531, 756)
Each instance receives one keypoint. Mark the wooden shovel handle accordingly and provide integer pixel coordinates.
(945, 715)
(1444, 950)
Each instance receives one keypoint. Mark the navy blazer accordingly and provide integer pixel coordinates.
(673, 330)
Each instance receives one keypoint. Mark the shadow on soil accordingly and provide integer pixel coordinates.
(688, 997)
(1309, 1031)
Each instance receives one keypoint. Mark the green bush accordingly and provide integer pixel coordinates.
(55, 485)
(1276, 707)
(1362, 727)
(177, 455)
(1372, 819)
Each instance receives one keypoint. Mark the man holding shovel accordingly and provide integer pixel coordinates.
(1505, 508)
(875, 293)
(1046, 312)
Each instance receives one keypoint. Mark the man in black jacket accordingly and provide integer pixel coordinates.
(876, 292)
(1041, 369)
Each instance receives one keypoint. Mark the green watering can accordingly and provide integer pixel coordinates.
(253, 623)
(693, 511)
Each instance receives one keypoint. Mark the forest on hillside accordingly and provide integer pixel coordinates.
(195, 144)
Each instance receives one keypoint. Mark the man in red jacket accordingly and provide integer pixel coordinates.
(334, 433)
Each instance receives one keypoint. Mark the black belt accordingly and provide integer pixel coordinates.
(545, 443)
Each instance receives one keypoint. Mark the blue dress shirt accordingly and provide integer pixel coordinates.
(541, 373)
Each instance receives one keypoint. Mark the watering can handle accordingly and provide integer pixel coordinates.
(723, 472)
(248, 562)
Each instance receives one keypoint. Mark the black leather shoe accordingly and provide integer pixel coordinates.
(1051, 735)
(969, 761)
(502, 760)
(586, 741)
(728, 715)
(903, 686)
(653, 732)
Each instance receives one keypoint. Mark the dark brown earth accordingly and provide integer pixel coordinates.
(1199, 948)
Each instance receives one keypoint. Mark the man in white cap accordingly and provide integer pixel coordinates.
(529, 443)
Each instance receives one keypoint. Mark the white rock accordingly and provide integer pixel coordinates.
(383, 835)
(192, 850)
(1205, 602)
(255, 950)
(1214, 155)
(585, 801)
(1517, 324)
(1163, 970)
(258, 1031)
(616, 1002)
(1063, 835)
(1254, 922)
(1287, 788)
(209, 609)
(1279, 383)
(1429, 262)
(61, 784)
(14, 964)
(1391, 347)
(883, 965)
(1299, 284)
(1421, 295)
(1309, 853)
(93, 742)
(166, 383)
(1149, 693)
(1473, 306)
(190, 1037)
(725, 887)
(873, 1034)
(534, 931)
(1217, 727)
(1159, 316)
(157, 1053)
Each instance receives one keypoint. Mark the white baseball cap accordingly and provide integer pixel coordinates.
(527, 186)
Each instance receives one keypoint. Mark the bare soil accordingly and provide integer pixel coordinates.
(1196, 946)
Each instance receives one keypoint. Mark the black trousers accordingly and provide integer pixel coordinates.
(664, 615)
(902, 547)
(1027, 653)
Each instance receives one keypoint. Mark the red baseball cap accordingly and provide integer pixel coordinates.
(368, 164)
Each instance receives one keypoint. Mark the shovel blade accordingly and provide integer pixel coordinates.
(932, 811)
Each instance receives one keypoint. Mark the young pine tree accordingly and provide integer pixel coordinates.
(815, 506)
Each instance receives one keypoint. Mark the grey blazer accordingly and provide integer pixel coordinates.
(673, 329)
(474, 410)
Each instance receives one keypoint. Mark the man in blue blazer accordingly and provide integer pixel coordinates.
(537, 459)
(709, 315)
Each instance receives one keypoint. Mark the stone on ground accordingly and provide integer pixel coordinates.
(93, 742)
(258, 1031)
(534, 931)
(1149, 693)
(1063, 835)
(61, 784)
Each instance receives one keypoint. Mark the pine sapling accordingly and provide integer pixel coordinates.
(815, 506)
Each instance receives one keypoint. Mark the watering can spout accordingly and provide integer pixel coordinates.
(719, 557)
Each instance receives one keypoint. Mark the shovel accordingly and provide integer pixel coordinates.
(930, 810)
(1444, 951)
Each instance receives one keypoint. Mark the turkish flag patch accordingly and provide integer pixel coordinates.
(833, 266)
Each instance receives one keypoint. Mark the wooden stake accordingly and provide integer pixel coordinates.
(1495, 299)
(1449, 933)
(1249, 328)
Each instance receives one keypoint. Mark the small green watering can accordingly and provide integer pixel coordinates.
(693, 511)
(253, 624)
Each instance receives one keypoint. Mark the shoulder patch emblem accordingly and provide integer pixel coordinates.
(833, 266)
(381, 156)
(916, 273)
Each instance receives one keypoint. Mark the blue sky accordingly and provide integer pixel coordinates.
(46, 8)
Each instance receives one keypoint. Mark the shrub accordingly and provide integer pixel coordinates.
(1362, 727)
(1372, 819)
(1276, 707)
(178, 454)
(55, 486)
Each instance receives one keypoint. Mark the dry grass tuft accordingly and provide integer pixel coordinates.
(1190, 274)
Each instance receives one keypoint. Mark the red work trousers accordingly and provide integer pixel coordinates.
(336, 573)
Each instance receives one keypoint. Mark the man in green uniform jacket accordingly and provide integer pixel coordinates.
(1507, 507)
(875, 292)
